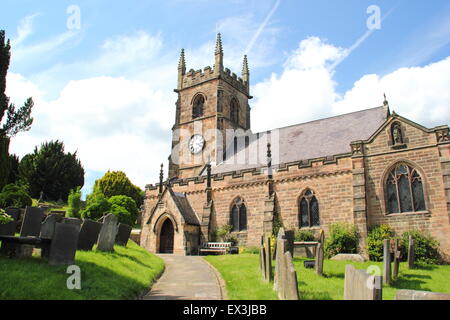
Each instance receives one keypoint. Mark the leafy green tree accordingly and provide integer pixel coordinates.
(128, 204)
(12, 120)
(375, 240)
(50, 170)
(13, 169)
(116, 183)
(74, 202)
(4, 217)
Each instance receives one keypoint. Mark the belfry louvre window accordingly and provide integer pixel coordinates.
(234, 111)
(404, 190)
(238, 216)
(308, 210)
(197, 108)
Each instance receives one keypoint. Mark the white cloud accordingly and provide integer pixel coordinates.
(306, 90)
(24, 29)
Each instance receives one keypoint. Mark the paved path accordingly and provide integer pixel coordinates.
(186, 278)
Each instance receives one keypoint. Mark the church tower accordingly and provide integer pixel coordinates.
(212, 105)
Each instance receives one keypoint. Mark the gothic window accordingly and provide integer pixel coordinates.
(238, 216)
(234, 111)
(197, 108)
(397, 134)
(404, 190)
(308, 210)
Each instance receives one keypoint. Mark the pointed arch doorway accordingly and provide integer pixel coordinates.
(166, 237)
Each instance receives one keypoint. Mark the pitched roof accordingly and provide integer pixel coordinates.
(310, 140)
(185, 208)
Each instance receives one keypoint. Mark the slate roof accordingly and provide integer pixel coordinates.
(185, 208)
(316, 139)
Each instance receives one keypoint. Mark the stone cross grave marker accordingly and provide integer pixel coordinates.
(64, 244)
(9, 229)
(108, 233)
(359, 285)
(386, 261)
(123, 234)
(31, 224)
(411, 253)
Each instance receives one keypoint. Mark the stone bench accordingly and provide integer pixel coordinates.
(215, 247)
(305, 249)
(22, 247)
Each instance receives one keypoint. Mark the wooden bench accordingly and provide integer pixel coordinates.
(215, 247)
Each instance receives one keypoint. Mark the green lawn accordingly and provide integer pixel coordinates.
(124, 274)
(244, 281)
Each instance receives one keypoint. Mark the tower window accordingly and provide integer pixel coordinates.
(197, 108)
(234, 111)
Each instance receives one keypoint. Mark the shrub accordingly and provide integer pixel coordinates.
(251, 250)
(224, 234)
(375, 241)
(14, 196)
(304, 235)
(343, 239)
(4, 217)
(426, 248)
(74, 202)
(128, 204)
(96, 206)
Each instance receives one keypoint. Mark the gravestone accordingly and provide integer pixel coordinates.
(74, 221)
(319, 259)
(305, 249)
(386, 262)
(280, 268)
(420, 295)
(88, 234)
(123, 234)
(64, 244)
(278, 249)
(290, 279)
(396, 258)
(261, 257)
(48, 226)
(290, 237)
(268, 260)
(9, 229)
(108, 233)
(411, 253)
(359, 285)
(31, 224)
(322, 237)
(349, 257)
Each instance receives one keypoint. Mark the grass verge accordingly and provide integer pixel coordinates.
(124, 274)
(244, 281)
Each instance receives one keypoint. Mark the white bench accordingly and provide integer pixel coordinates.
(216, 247)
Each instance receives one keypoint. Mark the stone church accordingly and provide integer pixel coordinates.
(367, 168)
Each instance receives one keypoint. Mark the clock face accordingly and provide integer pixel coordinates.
(196, 144)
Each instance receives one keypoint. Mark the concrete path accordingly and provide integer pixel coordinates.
(186, 278)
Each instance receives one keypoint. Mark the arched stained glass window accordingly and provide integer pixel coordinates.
(309, 210)
(404, 190)
(238, 216)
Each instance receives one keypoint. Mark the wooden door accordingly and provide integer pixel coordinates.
(166, 237)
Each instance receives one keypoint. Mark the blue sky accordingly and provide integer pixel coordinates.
(129, 50)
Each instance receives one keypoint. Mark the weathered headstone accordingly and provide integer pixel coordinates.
(349, 257)
(88, 234)
(322, 237)
(386, 262)
(420, 295)
(396, 258)
(74, 221)
(108, 233)
(290, 237)
(123, 234)
(278, 249)
(268, 257)
(281, 268)
(290, 285)
(64, 244)
(31, 224)
(319, 259)
(48, 226)
(411, 253)
(359, 285)
(9, 229)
